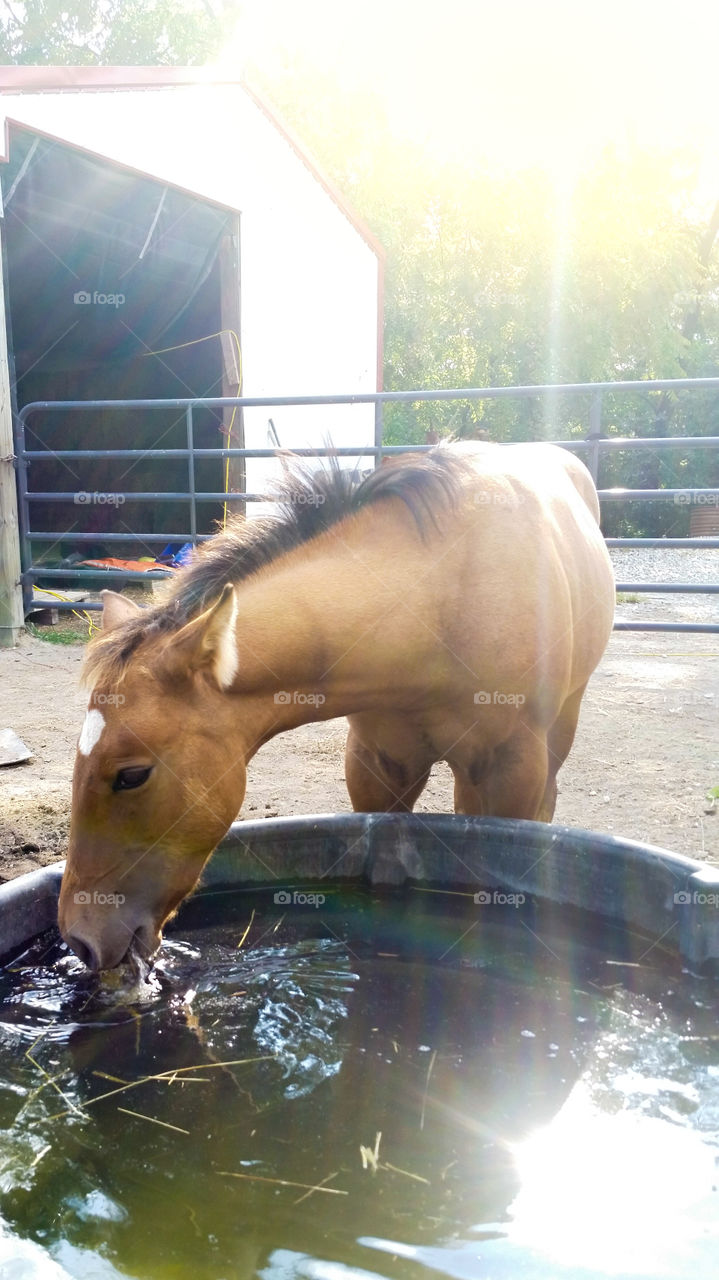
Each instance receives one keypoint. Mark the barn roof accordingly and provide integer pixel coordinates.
(188, 127)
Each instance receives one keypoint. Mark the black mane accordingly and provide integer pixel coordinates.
(310, 502)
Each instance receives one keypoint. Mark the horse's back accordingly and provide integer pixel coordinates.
(544, 468)
(537, 579)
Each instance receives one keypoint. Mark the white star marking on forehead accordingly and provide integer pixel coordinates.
(91, 731)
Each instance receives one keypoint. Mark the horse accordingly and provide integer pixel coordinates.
(451, 605)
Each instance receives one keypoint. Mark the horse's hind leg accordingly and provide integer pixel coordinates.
(559, 744)
(380, 783)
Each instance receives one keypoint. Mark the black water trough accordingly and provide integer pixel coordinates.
(671, 899)
(374, 1047)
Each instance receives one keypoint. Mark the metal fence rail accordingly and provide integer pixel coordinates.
(592, 446)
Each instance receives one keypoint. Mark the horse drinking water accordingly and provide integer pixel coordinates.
(452, 606)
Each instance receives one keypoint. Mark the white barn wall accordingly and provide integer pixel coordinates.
(309, 309)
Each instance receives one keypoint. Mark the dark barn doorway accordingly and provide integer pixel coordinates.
(115, 286)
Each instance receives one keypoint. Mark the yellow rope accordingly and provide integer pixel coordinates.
(193, 342)
(84, 614)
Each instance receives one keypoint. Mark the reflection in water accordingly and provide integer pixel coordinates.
(284, 1264)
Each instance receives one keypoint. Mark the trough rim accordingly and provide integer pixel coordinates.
(612, 877)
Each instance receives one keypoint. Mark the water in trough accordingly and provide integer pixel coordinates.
(379, 1085)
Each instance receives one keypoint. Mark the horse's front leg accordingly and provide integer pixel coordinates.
(509, 781)
(379, 780)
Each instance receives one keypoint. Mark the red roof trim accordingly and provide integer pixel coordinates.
(24, 79)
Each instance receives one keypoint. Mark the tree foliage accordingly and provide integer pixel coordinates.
(107, 32)
(515, 279)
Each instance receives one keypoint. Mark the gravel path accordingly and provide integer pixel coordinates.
(667, 564)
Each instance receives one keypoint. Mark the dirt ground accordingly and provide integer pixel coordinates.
(645, 756)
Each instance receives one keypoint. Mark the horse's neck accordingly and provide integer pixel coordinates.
(320, 628)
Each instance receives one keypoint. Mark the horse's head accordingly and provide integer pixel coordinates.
(156, 783)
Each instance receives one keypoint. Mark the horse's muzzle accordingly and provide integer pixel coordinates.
(104, 943)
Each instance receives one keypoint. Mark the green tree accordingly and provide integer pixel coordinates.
(501, 280)
(107, 32)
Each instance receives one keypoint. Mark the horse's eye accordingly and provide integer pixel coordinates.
(128, 779)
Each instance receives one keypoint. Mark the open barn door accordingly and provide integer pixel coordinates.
(118, 287)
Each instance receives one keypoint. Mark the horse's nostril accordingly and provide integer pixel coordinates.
(83, 951)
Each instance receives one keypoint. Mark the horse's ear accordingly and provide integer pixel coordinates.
(116, 609)
(207, 641)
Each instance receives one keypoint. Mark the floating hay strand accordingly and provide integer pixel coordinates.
(283, 1182)
(430, 1069)
(370, 1156)
(320, 1187)
(49, 1080)
(172, 1079)
(243, 939)
(36, 1093)
(393, 1168)
(370, 1160)
(165, 1076)
(153, 1120)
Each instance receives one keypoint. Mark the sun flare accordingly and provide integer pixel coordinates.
(511, 85)
(621, 1192)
